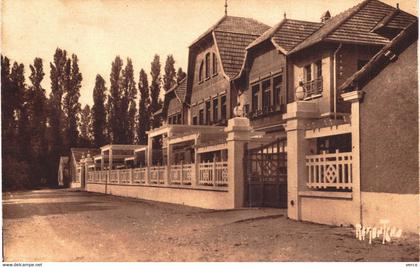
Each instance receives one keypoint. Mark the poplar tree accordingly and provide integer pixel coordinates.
(86, 126)
(143, 119)
(128, 103)
(114, 102)
(99, 112)
(155, 86)
(73, 79)
(170, 73)
(37, 102)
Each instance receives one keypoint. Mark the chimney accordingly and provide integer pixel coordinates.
(326, 16)
(398, 5)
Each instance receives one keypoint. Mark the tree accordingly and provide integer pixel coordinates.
(99, 112)
(180, 75)
(169, 76)
(85, 126)
(155, 88)
(143, 119)
(114, 102)
(73, 79)
(7, 105)
(55, 112)
(128, 103)
(38, 120)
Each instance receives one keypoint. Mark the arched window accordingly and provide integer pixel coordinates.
(215, 70)
(201, 72)
(208, 65)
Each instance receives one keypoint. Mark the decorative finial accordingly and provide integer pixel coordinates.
(284, 15)
(398, 5)
(226, 5)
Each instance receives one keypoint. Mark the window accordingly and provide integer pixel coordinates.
(215, 70)
(178, 118)
(361, 63)
(277, 90)
(215, 109)
(201, 117)
(201, 73)
(223, 107)
(170, 120)
(208, 65)
(318, 69)
(266, 87)
(208, 104)
(195, 120)
(307, 72)
(255, 92)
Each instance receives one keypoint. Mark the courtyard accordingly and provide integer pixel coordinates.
(71, 225)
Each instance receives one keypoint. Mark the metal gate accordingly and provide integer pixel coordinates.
(266, 175)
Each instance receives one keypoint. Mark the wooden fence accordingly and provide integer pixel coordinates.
(332, 170)
(211, 175)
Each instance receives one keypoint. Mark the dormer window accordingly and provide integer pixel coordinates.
(207, 65)
(215, 70)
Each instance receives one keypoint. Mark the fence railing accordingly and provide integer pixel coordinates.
(157, 174)
(113, 177)
(139, 175)
(326, 171)
(313, 88)
(211, 175)
(181, 174)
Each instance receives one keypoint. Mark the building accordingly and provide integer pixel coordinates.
(277, 117)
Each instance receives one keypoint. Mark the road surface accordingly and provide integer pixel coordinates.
(69, 225)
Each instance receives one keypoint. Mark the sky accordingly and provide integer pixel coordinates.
(99, 30)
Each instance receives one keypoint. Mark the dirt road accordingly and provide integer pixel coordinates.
(65, 225)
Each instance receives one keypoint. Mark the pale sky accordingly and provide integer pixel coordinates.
(96, 31)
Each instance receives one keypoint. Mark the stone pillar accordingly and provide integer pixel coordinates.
(298, 114)
(88, 161)
(354, 98)
(238, 134)
(149, 155)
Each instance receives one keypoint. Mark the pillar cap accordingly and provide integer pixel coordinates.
(353, 96)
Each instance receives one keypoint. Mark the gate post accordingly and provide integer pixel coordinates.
(238, 134)
(298, 114)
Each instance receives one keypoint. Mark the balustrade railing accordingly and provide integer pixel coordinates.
(330, 171)
(125, 176)
(213, 174)
(181, 174)
(313, 88)
(204, 175)
(139, 175)
(157, 174)
(114, 177)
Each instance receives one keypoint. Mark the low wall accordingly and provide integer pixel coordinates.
(209, 199)
(75, 185)
(333, 211)
(402, 210)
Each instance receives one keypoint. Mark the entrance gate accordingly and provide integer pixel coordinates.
(266, 175)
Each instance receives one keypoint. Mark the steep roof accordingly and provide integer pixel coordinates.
(355, 25)
(179, 89)
(386, 55)
(288, 33)
(232, 35)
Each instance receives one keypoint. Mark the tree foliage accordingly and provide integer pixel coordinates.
(155, 86)
(143, 119)
(170, 73)
(99, 112)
